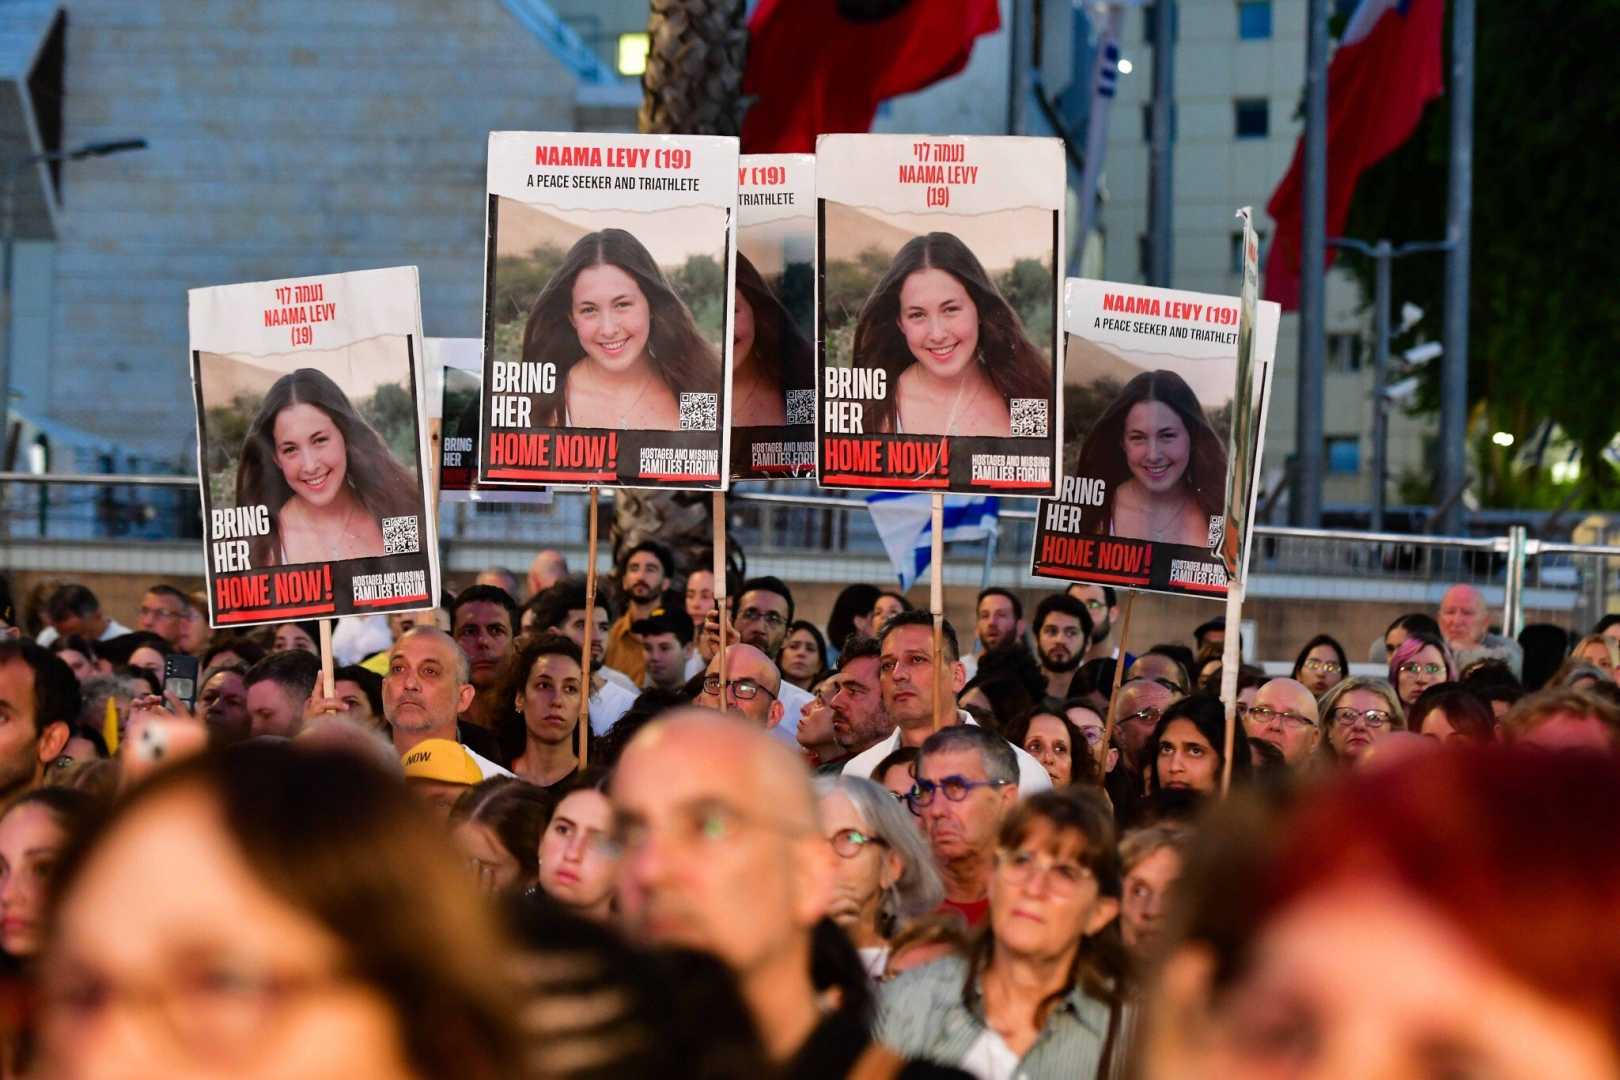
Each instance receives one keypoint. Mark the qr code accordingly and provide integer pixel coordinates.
(1029, 417)
(801, 406)
(700, 412)
(400, 536)
(1217, 530)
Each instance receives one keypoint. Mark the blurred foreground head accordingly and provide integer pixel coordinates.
(1453, 914)
(272, 911)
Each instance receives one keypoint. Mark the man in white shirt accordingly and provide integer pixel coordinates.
(427, 686)
(74, 611)
(906, 671)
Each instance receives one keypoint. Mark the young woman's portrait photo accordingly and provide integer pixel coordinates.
(770, 354)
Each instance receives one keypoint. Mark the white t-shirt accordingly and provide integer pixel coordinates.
(608, 704)
(486, 766)
(990, 1058)
(114, 629)
(792, 699)
(1031, 776)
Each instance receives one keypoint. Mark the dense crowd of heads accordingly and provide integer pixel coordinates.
(878, 845)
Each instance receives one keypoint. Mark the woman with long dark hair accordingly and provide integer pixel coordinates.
(954, 351)
(1188, 748)
(623, 345)
(1321, 664)
(769, 354)
(1162, 465)
(324, 473)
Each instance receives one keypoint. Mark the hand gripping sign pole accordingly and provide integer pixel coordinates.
(590, 624)
(719, 516)
(944, 704)
(1113, 695)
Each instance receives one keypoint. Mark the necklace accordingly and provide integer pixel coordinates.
(646, 381)
(1161, 529)
(341, 546)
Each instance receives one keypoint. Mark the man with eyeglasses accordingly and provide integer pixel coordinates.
(906, 673)
(761, 616)
(163, 612)
(967, 781)
(1141, 703)
(752, 692)
(1102, 604)
(1284, 714)
(723, 852)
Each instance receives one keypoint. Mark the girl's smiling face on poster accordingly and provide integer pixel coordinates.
(611, 316)
(939, 321)
(1156, 446)
(311, 453)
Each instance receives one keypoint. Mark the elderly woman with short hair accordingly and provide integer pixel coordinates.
(1357, 713)
(885, 874)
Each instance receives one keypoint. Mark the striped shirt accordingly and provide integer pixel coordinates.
(921, 1015)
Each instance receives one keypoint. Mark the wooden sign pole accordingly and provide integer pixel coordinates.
(590, 626)
(944, 703)
(1113, 694)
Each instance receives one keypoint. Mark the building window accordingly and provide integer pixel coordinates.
(1251, 118)
(1234, 250)
(1344, 352)
(1344, 455)
(1254, 19)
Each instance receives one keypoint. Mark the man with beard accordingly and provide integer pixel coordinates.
(39, 697)
(426, 688)
(763, 612)
(648, 568)
(855, 698)
(482, 620)
(998, 623)
(816, 737)
(1062, 634)
(562, 608)
(1102, 604)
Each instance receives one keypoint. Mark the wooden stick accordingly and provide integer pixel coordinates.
(1231, 659)
(328, 682)
(719, 516)
(590, 625)
(944, 703)
(1113, 695)
(436, 456)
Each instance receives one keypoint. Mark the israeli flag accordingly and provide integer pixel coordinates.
(905, 524)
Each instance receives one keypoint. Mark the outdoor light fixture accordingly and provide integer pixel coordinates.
(1125, 66)
(1503, 438)
(633, 50)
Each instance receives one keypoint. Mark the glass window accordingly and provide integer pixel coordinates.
(1344, 352)
(1254, 19)
(1251, 118)
(1344, 454)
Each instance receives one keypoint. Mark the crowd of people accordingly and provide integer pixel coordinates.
(489, 850)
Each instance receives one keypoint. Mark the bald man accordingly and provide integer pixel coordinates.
(723, 851)
(548, 568)
(753, 692)
(1284, 714)
(427, 686)
(1465, 624)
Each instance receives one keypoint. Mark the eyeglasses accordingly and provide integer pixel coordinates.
(1264, 714)
(1412, 667)
(849, 843)
(769, 618)
(745, 689)
(1022, 867)
(1148, 715)
(1322, 667)
(904, 799)
(956, 788)
(158, 613)
(1372, 719)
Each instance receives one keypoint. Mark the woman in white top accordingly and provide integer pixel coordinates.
(885, 874)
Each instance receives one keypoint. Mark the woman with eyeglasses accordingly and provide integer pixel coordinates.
(884, 874)
(1419, 662)
(1321, 664)
(579, 862)
(273, 911)
(897, 774)
(1038, 994)
(1083, 714)
(1357, 713)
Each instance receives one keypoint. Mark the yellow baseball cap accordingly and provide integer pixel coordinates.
(441, 759)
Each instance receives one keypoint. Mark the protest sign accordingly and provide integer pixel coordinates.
(1151, 380)
(607, 300)
(455, 368)
(773, 380)
(938, 304)
(312, 447)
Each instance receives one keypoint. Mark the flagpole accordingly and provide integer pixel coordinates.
(1305, 506)
(1459, 208)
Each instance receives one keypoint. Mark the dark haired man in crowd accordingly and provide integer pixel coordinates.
(647, 571)
(74, 611)
(855, 697)
(998, 624)
(763, 611)
(482, 620)
(967, 781)
(562, 608)
(906, 668)
(163, 612)
(278, 691)
(666, 643)
(1102, 604)
(1062, 636)
(39, 699)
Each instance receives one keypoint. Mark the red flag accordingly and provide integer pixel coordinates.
(1387, 68)
(814, 70)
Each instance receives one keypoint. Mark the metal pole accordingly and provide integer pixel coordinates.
(1383, 254)
(1305, 508)
(1513, 584)
(1104, 80)
(1459, 208)
(1161, 162)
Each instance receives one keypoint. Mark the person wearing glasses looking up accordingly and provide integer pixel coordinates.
(1035, 997)
(1358, 712)
(1321, 664)
(884, 874)
(906, 671)
(1141, 703)
(967, 784)
(1419, 662)
(1284, 714)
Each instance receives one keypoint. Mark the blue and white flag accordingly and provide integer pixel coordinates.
(904, 522)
